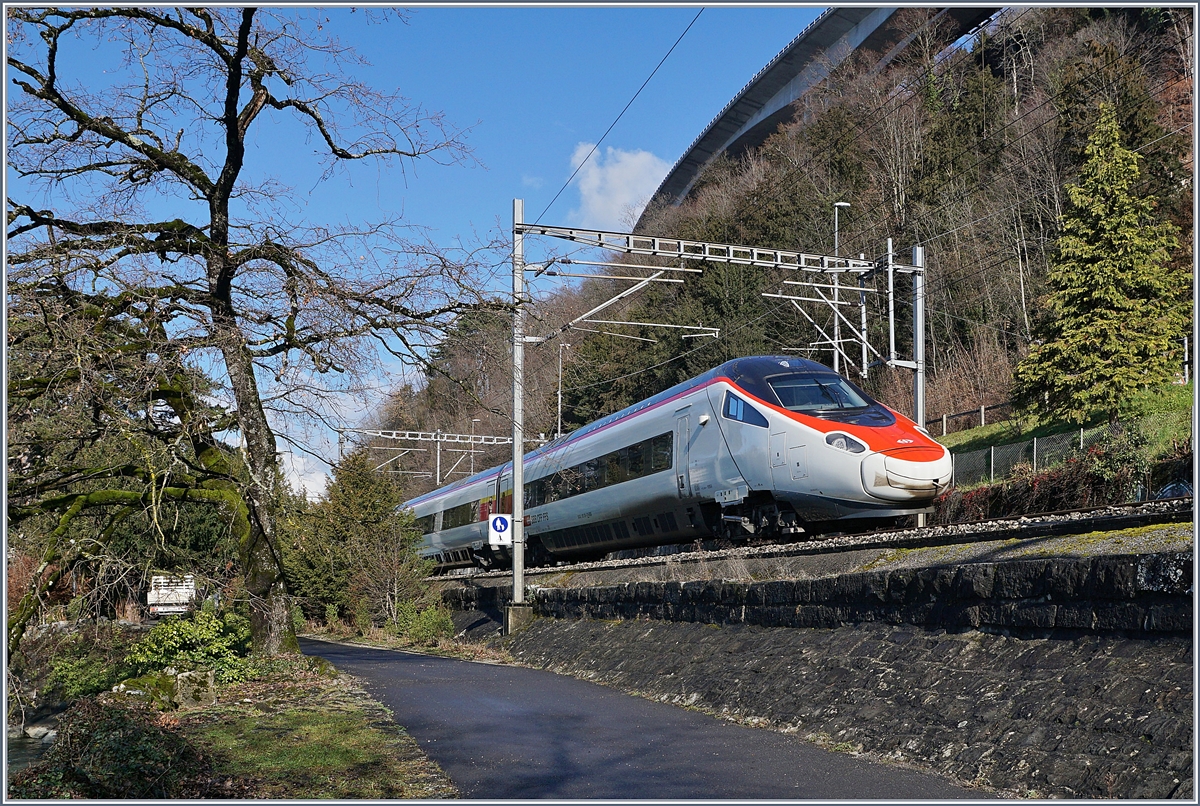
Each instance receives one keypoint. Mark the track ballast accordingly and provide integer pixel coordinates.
(1066, 522)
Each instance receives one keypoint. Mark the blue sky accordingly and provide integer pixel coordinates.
(537, 87)
(536, 84)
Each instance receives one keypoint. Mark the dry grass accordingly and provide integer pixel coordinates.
(300, 734)
(445, 647)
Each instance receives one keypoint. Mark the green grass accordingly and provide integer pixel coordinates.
(312, 737)
(1170, 405)
(295, 729)
(1163, 399)
(1002, 433)
(308, 752)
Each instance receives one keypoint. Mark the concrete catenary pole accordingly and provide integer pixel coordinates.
(918, 259)
(518, 430)
(837, 320)
(558, 431)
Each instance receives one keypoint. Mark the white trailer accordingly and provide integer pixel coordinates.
(171, 595)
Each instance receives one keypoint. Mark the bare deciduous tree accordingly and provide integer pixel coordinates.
(138, 187)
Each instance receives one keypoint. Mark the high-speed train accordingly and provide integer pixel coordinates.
(764, 446)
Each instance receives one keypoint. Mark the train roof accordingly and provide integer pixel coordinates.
(749, 373)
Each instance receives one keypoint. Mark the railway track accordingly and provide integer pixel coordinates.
(1046, 524)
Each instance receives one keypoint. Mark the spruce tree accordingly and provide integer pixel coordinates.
(1116, 306)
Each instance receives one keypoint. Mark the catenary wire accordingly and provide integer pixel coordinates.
(614, 123)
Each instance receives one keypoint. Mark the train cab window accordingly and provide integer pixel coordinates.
(738, 409)
(812, 394)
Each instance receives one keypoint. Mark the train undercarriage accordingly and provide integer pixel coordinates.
(755, 521)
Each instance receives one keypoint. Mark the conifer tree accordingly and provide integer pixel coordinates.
(1116, 306)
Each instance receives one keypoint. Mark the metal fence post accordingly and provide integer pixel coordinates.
(943, 425)
(1035, 454)
(982, 416)
(992, 463)
(1081, 437)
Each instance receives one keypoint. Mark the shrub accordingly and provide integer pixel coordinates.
(1107, 473)
(105, 750)
(200, 640)
(430, 625)
(74, 677)
(62, 667)
(362, 618)
(406, 614)
(331, 615)
(298, 622)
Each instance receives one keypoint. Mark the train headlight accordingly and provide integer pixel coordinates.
(845, 442)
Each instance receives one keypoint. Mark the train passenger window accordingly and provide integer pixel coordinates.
(535, 493)
(558, 487)
(631, 462)
(660, 453)
(460, 515)
(738, 409)
(637, 460)
(615, 470)
(589, 471)
(425, 523)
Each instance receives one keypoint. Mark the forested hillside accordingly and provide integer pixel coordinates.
(970, 152)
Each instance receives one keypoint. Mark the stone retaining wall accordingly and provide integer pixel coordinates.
(1147, 593)
(1096, 715)
(1050, 677)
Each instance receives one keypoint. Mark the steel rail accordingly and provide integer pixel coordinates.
(1043, 524)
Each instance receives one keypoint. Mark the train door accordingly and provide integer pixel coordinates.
(504, 502)
(789, 461)
(779, 459)
(683, 438)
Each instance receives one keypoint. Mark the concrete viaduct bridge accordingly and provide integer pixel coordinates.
(767, 101)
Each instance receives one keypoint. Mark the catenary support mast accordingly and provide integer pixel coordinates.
(518, 454)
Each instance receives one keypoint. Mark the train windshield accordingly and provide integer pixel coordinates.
(825, 395)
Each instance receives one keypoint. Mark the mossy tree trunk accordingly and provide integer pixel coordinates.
(242, 295)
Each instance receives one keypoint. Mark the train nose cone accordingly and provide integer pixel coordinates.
(907, 474)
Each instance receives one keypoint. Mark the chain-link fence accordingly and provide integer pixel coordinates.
(993, 464)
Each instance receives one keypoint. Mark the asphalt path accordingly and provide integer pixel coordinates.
(503, 732)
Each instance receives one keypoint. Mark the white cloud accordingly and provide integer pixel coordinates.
(614, 186)
(534, 182)
(306, 474)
